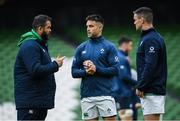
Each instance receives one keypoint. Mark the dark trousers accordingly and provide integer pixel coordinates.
(31, 114)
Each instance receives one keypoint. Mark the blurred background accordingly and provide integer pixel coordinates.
(69, 30)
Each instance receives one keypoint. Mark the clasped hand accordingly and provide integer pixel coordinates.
(89, 67)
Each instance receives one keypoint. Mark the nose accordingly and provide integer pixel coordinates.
(88, 29)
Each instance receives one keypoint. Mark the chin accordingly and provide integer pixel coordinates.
(89, 36)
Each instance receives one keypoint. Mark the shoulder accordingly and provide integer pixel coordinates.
(29, 44)
(81, 46)
(153, 35)
(121, 55)
(151, 39)
(122, 58)
(109, 44)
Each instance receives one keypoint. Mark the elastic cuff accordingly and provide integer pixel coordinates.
(56, 65)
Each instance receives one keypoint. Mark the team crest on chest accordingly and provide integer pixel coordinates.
(84, 52)
(102, 51)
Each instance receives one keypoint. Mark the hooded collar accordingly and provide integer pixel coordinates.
(33, 35)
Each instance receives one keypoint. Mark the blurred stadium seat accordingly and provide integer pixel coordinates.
(8, 51)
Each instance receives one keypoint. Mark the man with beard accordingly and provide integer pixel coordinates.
(34, 72)
(123, 83)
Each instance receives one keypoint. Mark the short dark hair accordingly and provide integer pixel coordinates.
(40, 20)
(146, 13)
(95, 17)
(124, 40)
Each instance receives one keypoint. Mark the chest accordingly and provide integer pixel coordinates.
(44, 55)
(140, 49)
(96, 52)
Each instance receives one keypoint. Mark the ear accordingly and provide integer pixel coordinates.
(143, 20)
(100, 26)
(40, 29)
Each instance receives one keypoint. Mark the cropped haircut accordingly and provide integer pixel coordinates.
(40, 21)
(95, 17)
(146, 13)
(124, 40)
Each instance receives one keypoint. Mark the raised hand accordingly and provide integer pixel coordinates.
(59, 60)
(139, 93)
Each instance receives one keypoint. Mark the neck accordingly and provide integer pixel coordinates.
(146, 26)
(96, 36)
(38, 32)
(100, 34)
(123, 49)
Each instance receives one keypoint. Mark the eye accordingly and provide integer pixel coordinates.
(91, 26)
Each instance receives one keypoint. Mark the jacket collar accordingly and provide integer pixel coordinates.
(97, 39)
(124, 53)
(144, 32)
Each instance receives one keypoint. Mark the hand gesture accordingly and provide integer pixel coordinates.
(139, 93)
(59, 60)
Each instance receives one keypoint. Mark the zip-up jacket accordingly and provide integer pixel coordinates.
(104, 55)
(34, 76)
(152, 63)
